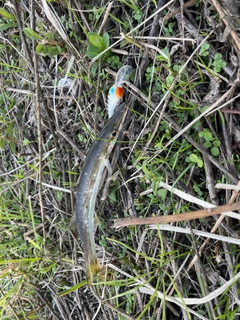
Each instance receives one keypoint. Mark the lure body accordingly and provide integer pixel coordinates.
(95, 163)
(115, 97)
(116, 92)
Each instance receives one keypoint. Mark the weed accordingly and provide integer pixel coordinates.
(204, 50)
(47, 46)
(168, 29)
(210, 142)
(218, 62)
(97, 44)
(195, 159)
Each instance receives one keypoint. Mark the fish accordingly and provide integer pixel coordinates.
(95, 163)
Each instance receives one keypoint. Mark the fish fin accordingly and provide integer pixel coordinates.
(92, 269)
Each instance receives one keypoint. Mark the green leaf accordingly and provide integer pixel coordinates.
(218, 56)
(204, 50)
(154, 186)
(6, 14)
(32, 34)
(200, 163)
(97, 41)
(26, 142)
(165, 56)
(93, 51)
(215, 151)
(193, 157)
(94, 68)
(2, 143)
(162, 193)
(207, 144)
(5, 26)
(148, 173)
(39, 48)
(77, 286)
(176, 67)
(208, 136)
(46, 50)
(169, 80)
(105, 40)
(112, 196)
(216, 143)
(54, 50)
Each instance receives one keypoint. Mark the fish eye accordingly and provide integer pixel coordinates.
(113, 134)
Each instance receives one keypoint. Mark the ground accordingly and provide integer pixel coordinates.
(178, 152)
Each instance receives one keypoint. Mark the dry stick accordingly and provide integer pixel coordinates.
(81, 154)
(217, 224)
(45, 301)
(231, 111)
(105, 17)
(225, 20)
(100, 64)
(109, 305)
(186, 5)
(209, 172)
(83, 18)
(22, 33)
(48, 96)
(118, 223)
(60, 303)
(143, 65)
(148, 289)
(227, 143)
(40, 141)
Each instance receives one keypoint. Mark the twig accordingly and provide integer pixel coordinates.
(144, 61)
(186, 5)
(210, 235)
(105, 17)
(72, 143)
(176, 218)
(19, 20)
(217, 224)
(224, 18)
(40, 140)
(109, 305)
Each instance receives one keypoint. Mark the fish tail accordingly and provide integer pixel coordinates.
(92, 269)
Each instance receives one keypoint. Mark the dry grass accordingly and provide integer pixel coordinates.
(180, 139)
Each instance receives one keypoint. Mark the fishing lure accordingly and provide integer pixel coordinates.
(116, 92)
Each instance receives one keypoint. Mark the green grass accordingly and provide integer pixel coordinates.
(146, 271)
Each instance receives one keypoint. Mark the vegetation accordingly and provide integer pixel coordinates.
(180, 139)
